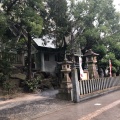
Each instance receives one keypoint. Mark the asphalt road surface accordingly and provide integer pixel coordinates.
(106, 107)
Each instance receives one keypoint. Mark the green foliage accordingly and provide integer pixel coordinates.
(7, 87)
(25, 14)
(99, 21)
(5, 67)
(115, 63)
(56, 20)
(114, 70)
(115, 48)
(98, 28)
(3, 24)
(24, 20)
(56, 13)
(32, 85)
(101, 50)
(1, 79)
(5, 70)
(5, 84)
(32, 20)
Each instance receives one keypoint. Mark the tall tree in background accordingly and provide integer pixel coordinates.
(97, 25)
(24, 19)
(97, 20)
(56, 21)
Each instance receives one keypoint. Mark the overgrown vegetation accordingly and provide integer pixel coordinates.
(5, 70)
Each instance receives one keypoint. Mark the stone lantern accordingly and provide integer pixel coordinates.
(91, 61)
(66, 85)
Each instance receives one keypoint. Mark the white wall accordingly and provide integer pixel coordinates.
(51, 64)
(45, 66)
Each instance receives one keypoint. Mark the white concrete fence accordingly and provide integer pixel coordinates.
(94, 87)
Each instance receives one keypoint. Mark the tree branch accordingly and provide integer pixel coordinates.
(11, 5)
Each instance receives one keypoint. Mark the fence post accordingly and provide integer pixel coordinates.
(76, 88)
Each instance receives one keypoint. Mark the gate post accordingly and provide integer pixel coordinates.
(75, 84)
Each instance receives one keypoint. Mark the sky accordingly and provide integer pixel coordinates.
(117, 4)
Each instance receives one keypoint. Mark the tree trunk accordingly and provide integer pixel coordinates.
(29, 57)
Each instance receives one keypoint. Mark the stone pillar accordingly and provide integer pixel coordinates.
(76, 88)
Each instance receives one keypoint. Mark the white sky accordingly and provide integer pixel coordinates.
(117, 4)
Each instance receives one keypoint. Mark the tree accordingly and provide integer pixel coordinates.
(97, 25)
(115, 63)
(93, 24)
(56, 22)
(24, 19)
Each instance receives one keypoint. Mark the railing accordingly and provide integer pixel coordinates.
(11, 57)
(98, 85)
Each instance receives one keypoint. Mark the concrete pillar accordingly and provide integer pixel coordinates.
(42, 63)
(76, 88)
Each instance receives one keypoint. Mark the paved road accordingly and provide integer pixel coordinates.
(30, 106)
(105, 107)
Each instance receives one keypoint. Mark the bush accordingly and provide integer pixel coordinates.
(114, 70)
(3, 78)
(7, 87)
(32, 85)
(5, 67)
